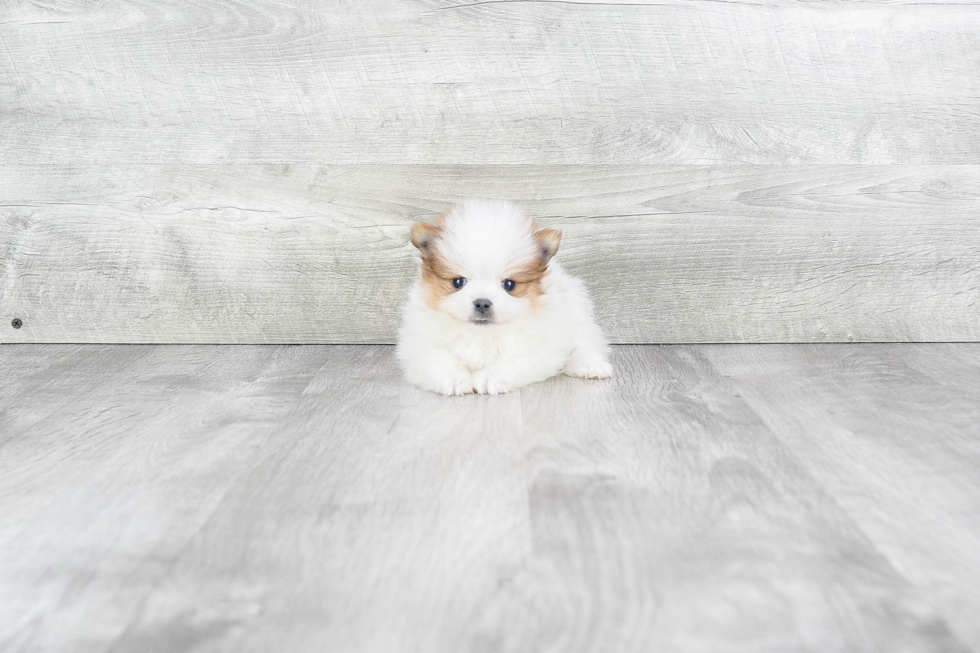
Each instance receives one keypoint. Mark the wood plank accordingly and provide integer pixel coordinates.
(667, 516)
(896, 444)
(134, 449)
(316, 254)
(952, 365)
(412, 81)
(307, 499)
(38, 383)
(380, 519)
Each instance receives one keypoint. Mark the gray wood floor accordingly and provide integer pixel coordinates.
(303, 498)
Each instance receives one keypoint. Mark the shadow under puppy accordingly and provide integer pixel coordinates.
(492, 310)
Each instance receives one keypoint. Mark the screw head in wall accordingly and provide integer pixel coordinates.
(17, 323)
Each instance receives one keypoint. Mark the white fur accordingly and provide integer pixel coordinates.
(443, 351)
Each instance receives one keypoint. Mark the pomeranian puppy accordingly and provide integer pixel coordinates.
(492, 310)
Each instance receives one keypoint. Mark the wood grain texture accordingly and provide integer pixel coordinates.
(113, 459)
(739, 499)
(373, 474)
(316, 254)
(894, 434)
(666, 516)
(414, 81)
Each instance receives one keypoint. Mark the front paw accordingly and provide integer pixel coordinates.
(490, 383)
(596, 368)
(456, 382)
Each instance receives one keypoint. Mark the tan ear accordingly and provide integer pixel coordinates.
(548, 239)
(422, 236)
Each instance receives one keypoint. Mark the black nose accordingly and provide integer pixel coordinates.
(482, 305)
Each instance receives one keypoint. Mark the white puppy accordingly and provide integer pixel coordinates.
(492, 310)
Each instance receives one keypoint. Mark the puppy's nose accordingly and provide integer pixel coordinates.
(482, 305)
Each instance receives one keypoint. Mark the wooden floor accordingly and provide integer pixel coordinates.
(765, 498)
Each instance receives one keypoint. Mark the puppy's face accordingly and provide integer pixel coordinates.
(483, 261)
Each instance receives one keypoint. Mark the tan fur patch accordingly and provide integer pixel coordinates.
(528, 284)
(548, 240)
(423, 236)
(437, 280)
(528, 275)
(437, 276)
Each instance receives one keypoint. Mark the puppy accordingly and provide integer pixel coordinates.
(492, 310)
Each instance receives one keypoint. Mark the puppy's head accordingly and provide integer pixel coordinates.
(483, 261)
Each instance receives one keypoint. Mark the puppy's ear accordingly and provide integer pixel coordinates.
(548, 240)
(423, 236)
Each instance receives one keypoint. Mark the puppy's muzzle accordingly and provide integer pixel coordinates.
(482, 311)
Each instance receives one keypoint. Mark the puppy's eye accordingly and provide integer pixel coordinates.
(509, 284)
(459, 282)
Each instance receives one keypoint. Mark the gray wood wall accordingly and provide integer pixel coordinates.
(723, 171)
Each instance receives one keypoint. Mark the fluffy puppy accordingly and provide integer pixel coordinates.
(492, 310)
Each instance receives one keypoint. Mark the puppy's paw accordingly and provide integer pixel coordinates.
(594, 368)
(455, 382)
(490, 383)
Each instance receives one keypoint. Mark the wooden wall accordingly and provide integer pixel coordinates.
(723, 171)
